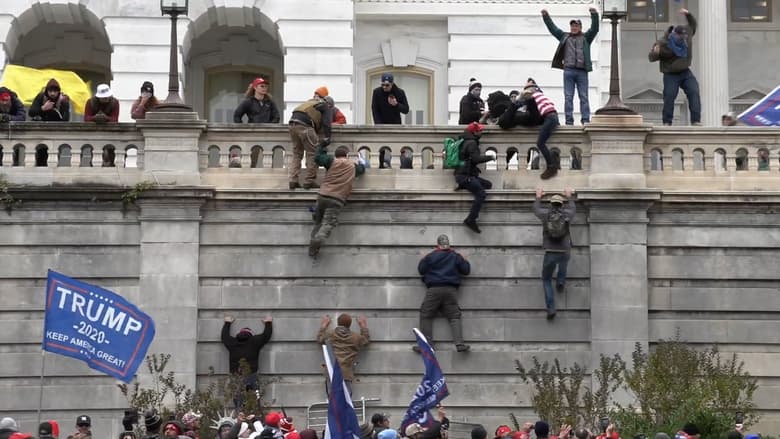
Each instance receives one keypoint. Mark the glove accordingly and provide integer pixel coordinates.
(325, 142)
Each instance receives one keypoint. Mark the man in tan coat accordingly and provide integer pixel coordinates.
(345, 343)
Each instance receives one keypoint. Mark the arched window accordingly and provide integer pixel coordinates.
(720, 160)
(407, 158)
(742, 159)
(64, 156)
(656, 160)
(131, 156)
(256, 157)
(41, 155)
(532, 159)
(427, 157)
(763, 159)
(511, 158)
(277, 157)
(19, 153)
(491, 165)
(234, 155)
(385, 157)
(86, 156)
(698, 159)
(213, 156)
(576, 159)
(677, 159)
(109, 156)
(365, 153)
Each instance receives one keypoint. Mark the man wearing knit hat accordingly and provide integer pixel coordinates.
(388, 102)
(441, 272)
(467, 176)
(11, 107)
(541, 430)
(310, 128)
(345, 343)
(556, 241)
(472, 107)
(573, 57)
(245, 346)
(50, 105)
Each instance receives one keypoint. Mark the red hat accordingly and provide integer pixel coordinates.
(245, 330)
(273, 419)
(475, 127)
(18, 435)
(503, 430)
(4, 96)
(258, 81)
(175, 425)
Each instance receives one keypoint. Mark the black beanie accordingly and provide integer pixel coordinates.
(147, 86)
(478, 432)
(474, 83)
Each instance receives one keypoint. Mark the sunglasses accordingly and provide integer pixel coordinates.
(387, 84)
(82, 425)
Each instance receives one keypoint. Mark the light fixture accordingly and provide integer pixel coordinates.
(174, 7)
(173, 102)
(615, 7)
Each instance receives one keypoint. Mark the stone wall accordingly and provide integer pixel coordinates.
(656, 251)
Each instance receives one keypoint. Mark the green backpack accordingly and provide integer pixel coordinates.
(452, 158)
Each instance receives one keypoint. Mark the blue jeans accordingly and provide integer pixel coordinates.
(551, 260)
(673, 82)
(476, 186)
(575, 77)
(548, 126)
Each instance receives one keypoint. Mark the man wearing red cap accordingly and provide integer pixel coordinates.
(11, 108)
(245, 346)
(467, 176)
(257, 105)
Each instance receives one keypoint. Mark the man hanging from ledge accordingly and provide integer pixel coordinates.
(346, 344)
(335, 189)
(245, 346)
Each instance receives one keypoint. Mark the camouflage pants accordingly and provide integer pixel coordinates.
(326, 218)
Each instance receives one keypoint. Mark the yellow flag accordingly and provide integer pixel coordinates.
(28, 82)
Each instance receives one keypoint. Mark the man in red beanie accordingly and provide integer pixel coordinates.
(11, 107)
(467, 176)
(346, 344)
(245, 346)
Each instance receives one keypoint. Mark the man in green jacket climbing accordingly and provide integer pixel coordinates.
(573, 57)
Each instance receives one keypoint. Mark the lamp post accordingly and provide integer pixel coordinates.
(615, 10)
(173, 102)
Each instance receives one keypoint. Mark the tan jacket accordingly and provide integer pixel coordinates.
(346, 345)
(338, 179)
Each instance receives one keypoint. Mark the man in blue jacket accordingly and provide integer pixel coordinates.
(573, 57)
(441, 271)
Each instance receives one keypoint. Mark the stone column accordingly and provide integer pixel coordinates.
(710, 44)
(168, 280)
(172, 147)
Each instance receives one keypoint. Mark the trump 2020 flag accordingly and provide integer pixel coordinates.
(432, 388)
(94, 325)
(342, 420)
(764, 113)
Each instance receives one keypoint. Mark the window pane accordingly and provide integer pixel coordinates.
(751, 10)
(225, 92)
(643, 10)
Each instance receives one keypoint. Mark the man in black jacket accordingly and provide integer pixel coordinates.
(11, 107)
(51, 105)
(388, 102)
(441, 271)
(246, 346)
(467, 176)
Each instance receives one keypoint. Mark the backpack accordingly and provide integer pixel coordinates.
(556, 225)
(452, 158)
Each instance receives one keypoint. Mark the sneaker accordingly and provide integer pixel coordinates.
(294, 185)
(472, 224)
(461, 347)
(549, 173)
(314, 247)
(311, 186)
(550, 314)
(560, 287)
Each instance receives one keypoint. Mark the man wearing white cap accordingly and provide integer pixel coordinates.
(103, 107)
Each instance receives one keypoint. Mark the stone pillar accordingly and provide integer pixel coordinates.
(617, 152)
(618, 271)
(172, 147)
(168, 280)
(711, 42)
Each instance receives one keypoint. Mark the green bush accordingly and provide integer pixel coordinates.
(669, 386)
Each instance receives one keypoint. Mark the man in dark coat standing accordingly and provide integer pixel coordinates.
(388, 102)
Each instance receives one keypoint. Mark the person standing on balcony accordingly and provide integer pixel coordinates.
(556, 241)
(346, 344)
(50, 105)
(258, 105)
(388, 102)
(310, 125)
(441, 272)
(11, 108)
(467, 175)
(103, 107)
(146, 102)
(336, 187)
(472, 107)
(674, 51)
(573, 57)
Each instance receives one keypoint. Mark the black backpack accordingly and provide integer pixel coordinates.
(556, 225)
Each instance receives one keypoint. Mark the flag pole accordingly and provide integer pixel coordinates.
(40, 386)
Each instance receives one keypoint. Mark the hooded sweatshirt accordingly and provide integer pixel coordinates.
(346, 345)
(61, 110)
(246, 348)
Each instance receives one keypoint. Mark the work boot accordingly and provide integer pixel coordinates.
(550, 314)
(456, 326)
(311, 185)
(549, 173)
(472, 224)
(294, 185)
(314, 247)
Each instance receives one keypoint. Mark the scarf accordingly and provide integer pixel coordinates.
(679, 45)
